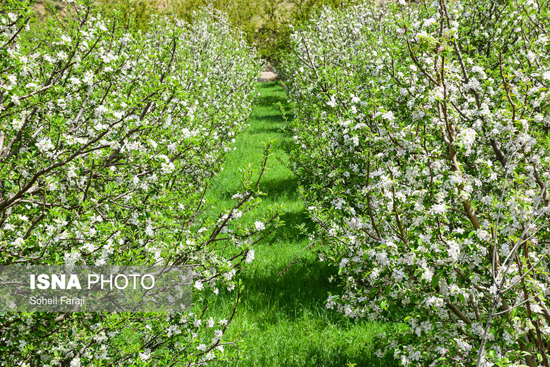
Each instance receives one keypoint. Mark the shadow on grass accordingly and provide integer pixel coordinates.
(303, 288)
(271, 123)
(269, 130)
(274, 112)
(273, 187)
(297, 297)
(276, 116)
(270, 101)
(278, 186)
(290, 231)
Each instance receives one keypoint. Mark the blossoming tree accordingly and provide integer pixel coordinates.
(422, 147)
(107, 142)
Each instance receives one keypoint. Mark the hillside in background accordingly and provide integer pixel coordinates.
(42, 6)
(265, 23)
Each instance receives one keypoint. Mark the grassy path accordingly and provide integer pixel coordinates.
(285, 316)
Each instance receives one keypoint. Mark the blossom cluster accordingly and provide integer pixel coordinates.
(423, 151)
(108, 140)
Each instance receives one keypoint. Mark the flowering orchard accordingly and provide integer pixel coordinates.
(107, 141)
(422, 146)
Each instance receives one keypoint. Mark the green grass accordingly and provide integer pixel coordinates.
(284, 317)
